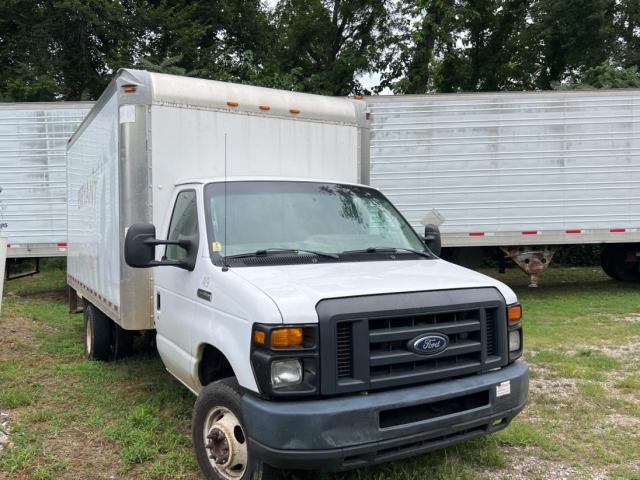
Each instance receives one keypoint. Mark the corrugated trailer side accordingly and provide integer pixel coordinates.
(512, 169)
(33, 175)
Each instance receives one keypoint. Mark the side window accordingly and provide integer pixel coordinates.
(184, 221)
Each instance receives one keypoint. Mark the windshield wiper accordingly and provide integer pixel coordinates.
(388, 250)
(269, 251)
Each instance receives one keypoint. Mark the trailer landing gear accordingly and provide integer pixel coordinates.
(532, 260)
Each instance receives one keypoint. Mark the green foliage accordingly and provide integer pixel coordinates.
(69, 49)
(577, 255)
(605, 76)
(324, 44)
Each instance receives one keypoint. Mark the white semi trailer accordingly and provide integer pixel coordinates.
(316, 327)
(33, 175)
(525, 172)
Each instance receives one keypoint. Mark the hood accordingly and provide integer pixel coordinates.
(296, 289)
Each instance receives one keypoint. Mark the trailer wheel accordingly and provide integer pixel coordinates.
(620, 262)
(121, 341)
(606, 261)
(97, 334)
(219, 436)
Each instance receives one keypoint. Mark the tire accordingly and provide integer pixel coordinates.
(121, 341)
(217, 411)
(615, 262)
(606, 261)
(97, 334)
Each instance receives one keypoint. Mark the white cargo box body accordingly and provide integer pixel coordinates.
(511, 168)
(33, 175)
(150, 131)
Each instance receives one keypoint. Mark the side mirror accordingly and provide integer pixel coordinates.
(140, 248)
(432, 239)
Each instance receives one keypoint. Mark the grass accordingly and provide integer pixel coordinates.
(77, 419)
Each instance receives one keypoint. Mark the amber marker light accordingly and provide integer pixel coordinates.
(129, 88)
(233, 104)
(286, 337)
(264, 107)
(259, 337)
(514, 313)
(295, 111)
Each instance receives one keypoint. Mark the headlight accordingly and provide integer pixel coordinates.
(285, 373)
(286, 360)
(514, 340)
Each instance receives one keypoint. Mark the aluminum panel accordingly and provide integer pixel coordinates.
(93, 264)
(33, 175)
(505, 163)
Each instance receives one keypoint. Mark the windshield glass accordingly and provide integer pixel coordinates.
(324, 217)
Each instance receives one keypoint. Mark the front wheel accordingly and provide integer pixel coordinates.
(219, 436)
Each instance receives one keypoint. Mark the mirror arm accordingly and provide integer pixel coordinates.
(169, 263)
(182, 243)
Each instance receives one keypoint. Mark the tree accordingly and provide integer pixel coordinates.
(604, 76)
(63, 49)
(571, 36)
(324, 44)
(459, 45)
(228, 40)
(627, 28)
(421, 29)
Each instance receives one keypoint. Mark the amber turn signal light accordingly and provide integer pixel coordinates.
(514, 313)
(287, 337)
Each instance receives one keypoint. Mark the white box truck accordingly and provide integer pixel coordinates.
(33, 175)
(525, 172)
(315, 326)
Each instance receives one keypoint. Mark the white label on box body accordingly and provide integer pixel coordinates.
(127, 113)
(503, 388)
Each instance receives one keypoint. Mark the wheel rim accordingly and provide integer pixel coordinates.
(88, 338)
(225, 443)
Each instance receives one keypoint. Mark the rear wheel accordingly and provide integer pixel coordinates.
(97, 334)
(621, 262)
(219, 436)
(121, 341)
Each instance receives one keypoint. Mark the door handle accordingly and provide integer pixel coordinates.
(204, 294)
(157, 302)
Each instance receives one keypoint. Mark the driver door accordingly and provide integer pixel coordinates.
(174, 290)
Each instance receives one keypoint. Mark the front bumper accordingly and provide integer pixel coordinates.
(341, 433)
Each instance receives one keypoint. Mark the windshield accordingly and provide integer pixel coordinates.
(322, 217)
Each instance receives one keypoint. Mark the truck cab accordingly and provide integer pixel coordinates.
(319, 330)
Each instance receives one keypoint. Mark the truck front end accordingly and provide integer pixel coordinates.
(384, 350)
(385, 376)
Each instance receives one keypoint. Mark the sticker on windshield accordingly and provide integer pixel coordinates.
(216, 247)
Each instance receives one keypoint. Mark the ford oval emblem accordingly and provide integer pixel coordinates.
(430, 344)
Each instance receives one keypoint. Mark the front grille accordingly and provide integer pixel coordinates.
(492, 341)
(392, 360)
(343, 350)
(371, 348)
